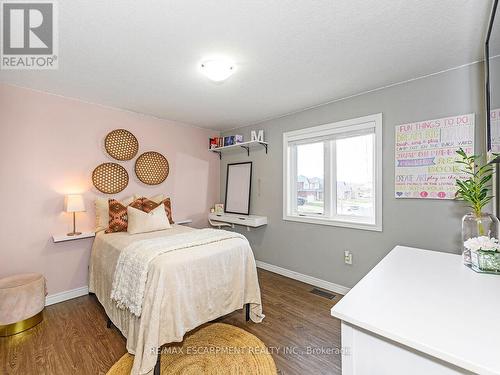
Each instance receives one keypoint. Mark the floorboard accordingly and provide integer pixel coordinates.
(73, 338)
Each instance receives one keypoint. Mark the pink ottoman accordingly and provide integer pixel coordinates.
(22, 300)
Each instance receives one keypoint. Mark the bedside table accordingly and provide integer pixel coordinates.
(65, 237)
(184, 222)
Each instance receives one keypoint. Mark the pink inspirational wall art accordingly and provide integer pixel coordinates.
(426, 155)
(495, 130)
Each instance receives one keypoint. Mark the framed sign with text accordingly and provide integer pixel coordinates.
(426, 153)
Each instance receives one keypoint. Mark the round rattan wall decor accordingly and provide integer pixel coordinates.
(151, 168)
(110, 178)
(121, 144)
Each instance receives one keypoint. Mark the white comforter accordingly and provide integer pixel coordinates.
(131, 272)
(184, 289)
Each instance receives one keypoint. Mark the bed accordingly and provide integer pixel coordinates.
(184, 289)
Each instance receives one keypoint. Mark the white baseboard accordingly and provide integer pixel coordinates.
(64, 296)
(332, 287)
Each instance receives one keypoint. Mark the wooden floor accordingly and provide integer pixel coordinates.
(73, 338)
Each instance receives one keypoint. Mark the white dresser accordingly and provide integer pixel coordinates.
(421, 312)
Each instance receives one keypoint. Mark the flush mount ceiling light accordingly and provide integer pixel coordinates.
(217, 70)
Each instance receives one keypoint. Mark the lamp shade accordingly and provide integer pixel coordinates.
(74, 203)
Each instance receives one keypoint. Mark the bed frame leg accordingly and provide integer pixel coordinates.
(109, 323)
(247, 312)
(158, 364)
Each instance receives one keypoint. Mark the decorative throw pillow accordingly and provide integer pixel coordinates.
(148, 205)
(118, 218)
(102, 211)
(142, 222)
(168, 209)
(155, 198)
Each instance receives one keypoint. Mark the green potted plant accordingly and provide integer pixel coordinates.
(475, 190)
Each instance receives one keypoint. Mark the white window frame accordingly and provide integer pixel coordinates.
(308, 135)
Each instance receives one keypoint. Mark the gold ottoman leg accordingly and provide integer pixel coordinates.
(23, 325)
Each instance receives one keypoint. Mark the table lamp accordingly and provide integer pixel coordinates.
(74, 203)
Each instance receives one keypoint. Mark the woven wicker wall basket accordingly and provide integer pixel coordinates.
(121, 144)
(110, 178)
(151, 168)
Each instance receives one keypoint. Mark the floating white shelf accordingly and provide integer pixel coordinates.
(244, 145)
(250, 221)
(65, 237)
(184, 222)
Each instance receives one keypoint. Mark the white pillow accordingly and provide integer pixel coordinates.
(142, 222)
(102, 212)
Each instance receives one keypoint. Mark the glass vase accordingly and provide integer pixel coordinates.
(476, 226)
(485, 261)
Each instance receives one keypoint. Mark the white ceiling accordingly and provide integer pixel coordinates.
(290, 54)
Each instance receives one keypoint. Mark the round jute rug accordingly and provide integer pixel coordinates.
(216, 349)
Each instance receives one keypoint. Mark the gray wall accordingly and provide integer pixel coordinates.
(317, 250)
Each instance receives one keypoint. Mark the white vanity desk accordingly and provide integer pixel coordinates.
(421, 312)
(250, 221)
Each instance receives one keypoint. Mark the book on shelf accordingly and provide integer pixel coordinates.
(216, 142)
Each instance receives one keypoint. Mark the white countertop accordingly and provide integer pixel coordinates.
(431, 302)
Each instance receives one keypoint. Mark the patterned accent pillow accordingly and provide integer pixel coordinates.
(148, 205)
(118, 219)
(168, 209)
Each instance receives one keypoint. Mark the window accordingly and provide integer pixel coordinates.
(332, 174)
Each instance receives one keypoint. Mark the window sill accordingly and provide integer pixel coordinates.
(334, 223)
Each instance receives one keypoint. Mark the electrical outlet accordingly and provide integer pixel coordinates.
(347, 257)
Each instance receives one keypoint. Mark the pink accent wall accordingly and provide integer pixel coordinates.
(49, 146)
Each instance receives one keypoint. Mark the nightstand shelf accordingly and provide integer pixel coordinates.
(65, 237)
(184, 222)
